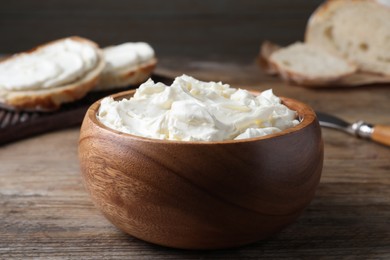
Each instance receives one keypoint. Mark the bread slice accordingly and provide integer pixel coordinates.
(359, 30)
(266, 50)
(51, 74)
(127, 64)
(307, 64)
(356, 79)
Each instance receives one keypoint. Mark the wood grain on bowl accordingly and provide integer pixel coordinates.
(201, 195)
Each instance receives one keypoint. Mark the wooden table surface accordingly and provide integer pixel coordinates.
(46, 213)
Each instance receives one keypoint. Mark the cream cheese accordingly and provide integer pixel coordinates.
(192, 110)
(50, 66)
(123, 56)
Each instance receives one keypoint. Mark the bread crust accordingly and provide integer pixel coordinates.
(51, 99)
(266, 50)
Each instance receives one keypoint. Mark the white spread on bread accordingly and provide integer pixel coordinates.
(47, 67)
(126, 55)
(192, 110)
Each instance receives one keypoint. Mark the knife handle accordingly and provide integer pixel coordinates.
(381, 134)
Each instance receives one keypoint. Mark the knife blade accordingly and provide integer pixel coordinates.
(360, 129)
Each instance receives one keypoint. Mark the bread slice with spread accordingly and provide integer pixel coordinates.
(127, 64)
(51, 74)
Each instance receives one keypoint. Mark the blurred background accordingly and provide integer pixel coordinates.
(230, 29)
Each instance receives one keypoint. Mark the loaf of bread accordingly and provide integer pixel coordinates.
(359, 30)
(51, 74)
(307, 64)
(347, 43)
(126, 64)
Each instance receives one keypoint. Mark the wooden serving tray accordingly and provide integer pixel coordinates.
(17, 125)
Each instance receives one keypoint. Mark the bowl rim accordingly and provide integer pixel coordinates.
(306, 116)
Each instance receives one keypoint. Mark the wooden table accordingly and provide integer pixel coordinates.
(46, 213)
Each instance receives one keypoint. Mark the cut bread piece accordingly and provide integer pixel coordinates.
(266, 50)
(307, 64)
(51, 74)
(359, 30)
(356, 79)
(127, 64)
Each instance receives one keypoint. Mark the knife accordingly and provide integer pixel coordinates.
(361, 129)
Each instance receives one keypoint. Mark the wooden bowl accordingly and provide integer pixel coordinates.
(201, 195)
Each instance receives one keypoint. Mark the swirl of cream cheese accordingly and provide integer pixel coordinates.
(192, 110)
(50, 66)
